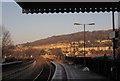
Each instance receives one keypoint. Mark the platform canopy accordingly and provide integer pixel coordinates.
(56, 7)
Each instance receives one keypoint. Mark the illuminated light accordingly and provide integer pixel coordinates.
(5, 56)
(67, 55)
(31, 56)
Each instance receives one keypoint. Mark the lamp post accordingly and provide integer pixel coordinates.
(84, 33)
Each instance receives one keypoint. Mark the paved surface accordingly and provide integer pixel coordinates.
(75, 73)
(59, 72)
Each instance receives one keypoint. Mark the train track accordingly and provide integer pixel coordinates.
(10, 75)
(15, 65)
(31, 72)
(46, 73)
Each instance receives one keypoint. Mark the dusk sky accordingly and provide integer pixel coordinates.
(30, 27)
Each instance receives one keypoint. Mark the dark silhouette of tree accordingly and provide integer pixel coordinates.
(7, 43)
(29, 52)
(56, 51)
(42, 52)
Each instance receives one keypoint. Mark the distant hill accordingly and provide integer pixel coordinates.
(92, 36)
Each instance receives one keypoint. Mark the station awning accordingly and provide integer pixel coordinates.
(56, 7)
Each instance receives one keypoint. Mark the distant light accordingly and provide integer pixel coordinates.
(9, 55)
(5, 56)
(31, 56)
(67, 55)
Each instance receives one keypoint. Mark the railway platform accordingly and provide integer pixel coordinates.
(69, 72)
(60, 72)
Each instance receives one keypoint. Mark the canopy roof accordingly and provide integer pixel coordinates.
(52, 7)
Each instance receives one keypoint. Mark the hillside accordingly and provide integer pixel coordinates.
(92, 36)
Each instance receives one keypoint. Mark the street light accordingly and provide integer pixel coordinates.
(84, 34)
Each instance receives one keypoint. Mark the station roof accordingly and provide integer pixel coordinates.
(56, 7)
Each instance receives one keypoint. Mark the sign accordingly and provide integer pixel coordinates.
(113, 34)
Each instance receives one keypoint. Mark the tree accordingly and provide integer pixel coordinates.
(7, 42)
(56, 51)
(42, 52)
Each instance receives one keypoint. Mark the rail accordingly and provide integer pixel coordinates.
(45, 74)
